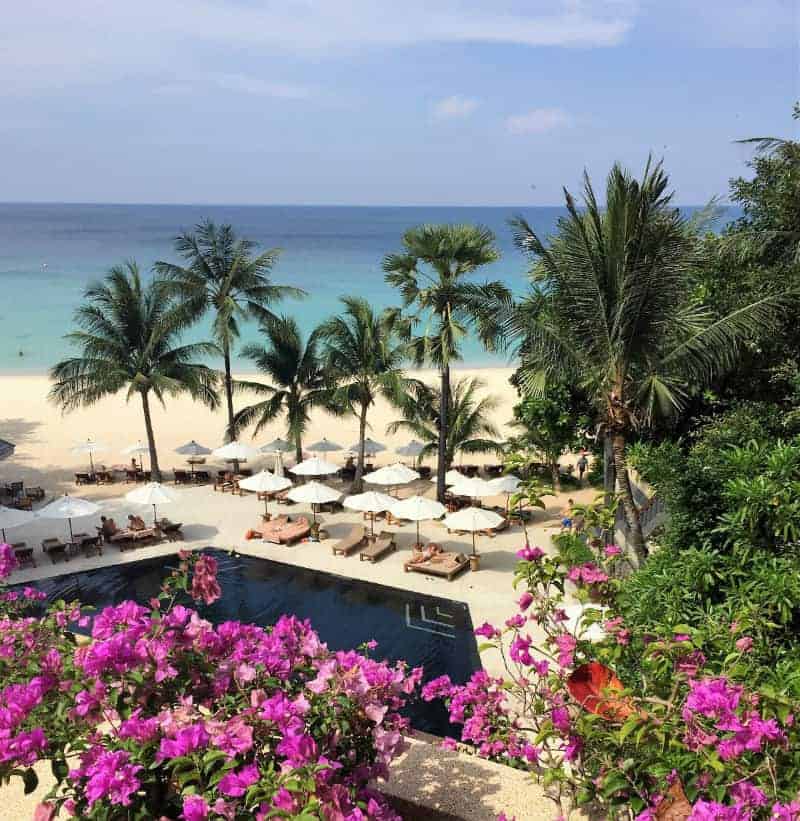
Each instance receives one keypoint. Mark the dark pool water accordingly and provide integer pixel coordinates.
(424, 630)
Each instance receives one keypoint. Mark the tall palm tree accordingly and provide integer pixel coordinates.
(128, 335)
(297, 381)
(363, 355)
(432, 275)
(469, 426)
(222, 275)
(613, 312)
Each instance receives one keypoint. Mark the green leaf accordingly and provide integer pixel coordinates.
(31, 781)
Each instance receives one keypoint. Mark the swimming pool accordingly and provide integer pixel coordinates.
(424, 630)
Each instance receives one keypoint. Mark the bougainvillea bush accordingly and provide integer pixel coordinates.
(653, 726)
(164, 715)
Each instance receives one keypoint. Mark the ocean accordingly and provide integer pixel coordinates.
(50, 252)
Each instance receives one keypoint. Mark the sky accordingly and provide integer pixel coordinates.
(452, 102)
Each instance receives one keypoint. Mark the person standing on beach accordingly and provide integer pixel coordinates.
(583, 464)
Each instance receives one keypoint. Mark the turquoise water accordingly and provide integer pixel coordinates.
(48, 253)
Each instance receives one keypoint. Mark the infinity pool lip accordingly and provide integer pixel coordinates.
(433, 632)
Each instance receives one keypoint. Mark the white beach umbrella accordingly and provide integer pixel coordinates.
(277, 446)
(412, 448)
(507, 484)
(265, 482)
(472, 519)
(69, 508)
(392, 475)
(475, 487)
(324, 446)
(418, 509)
(451, 477)
(370, 502)
(91, 448)
(137, 448)
(10, 517)
(236, 452)
(314, 493)
(153, 494)
(314, 467)
(371, 447)
(6, 449)
(192, 448)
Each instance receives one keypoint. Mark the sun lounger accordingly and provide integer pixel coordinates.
(84, 479)
(442, 565)
(23, 503)
(171, 530)
(282, 498)
(351, 542)
(181, 477)
(224, 483)
(264, 530)
(55, 549)
(384, 544)
(202, 477)
(295, 531)
(491, 532)
(34, 493)
(91, 545)
(24, 554)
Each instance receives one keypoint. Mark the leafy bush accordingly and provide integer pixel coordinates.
(677, 728)
(162, 715)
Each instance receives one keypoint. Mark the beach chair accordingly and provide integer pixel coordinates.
(224, 482)
(24, 554)
(91, 546)
(351, 542)
(442, 565)
(181, 477)
(268, 531)
(23, 503)
(34, 493)
(376, 550)
(55, 549)
(282, 498)
(104, 477)
(294, 531)
(202, 477)
(171, 530)
(424, 471)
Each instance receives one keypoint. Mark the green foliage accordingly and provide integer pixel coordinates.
(469, 426)
(549, 423)
(129, 340)
(298, 381)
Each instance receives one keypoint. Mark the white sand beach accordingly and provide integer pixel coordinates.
(44, 436)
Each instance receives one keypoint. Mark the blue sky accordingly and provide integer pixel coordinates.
(383, 101)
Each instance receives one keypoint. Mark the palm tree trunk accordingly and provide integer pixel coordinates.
(298, 448)
(226, 354)
(155, 471)
(441, 463)
(635, 536)
(358, 484)
(609, 471)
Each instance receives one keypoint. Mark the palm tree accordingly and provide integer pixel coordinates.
(469, 427)
(432, 275)
(223, 276)
(363, 355)
(613, 313)
(297, 378)
(128, 335)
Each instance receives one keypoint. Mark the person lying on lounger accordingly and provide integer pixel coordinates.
(136, 523)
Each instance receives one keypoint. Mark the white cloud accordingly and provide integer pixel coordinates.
(51, 44)
(455, 107)
(538, 121)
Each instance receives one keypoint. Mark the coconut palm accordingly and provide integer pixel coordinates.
(469, 427)
(432, 275)
(128, 335)
(613, 312)
(223, 276)
(297, 381)
(363, 355)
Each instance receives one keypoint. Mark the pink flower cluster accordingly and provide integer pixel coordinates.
(159, 690)
(717, 715)
(480, 707)
(588, 573)
(8, 560)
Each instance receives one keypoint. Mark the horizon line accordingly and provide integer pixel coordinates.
(723, 204)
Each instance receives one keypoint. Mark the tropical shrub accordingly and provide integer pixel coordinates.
(624, 722)
(164, 715)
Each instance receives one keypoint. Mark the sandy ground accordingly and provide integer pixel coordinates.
(44, 436)
(43, 457)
